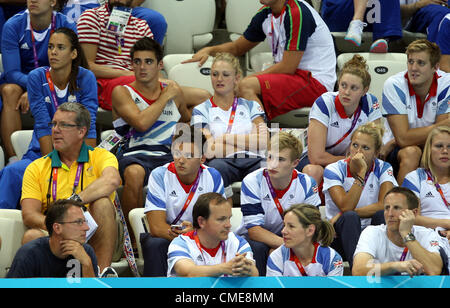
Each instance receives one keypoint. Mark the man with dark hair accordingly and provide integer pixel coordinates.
(146, 111)
(211, 249)
(76, 171)
(172, 191)
(398, 246)
(64, 253)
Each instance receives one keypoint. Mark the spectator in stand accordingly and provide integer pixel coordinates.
(210, 250)
(398, 246)
(414, 102)
(430, 183)
(234, 126)
(155, 20)
(76, 171)
(336, 115)
(67, 79)
(300, 40)
(108, 53)
(355, 187)
(305, 250)
(64, 253)
(24, 47)
(384, 20)
(146, 110)
(173, 190)
(267, 192)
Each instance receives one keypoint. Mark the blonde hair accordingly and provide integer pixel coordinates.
(310, 215)
(285, 140)
(431, 48)
(357, 66)
(229, 58)
(373, 130)
(426, 162)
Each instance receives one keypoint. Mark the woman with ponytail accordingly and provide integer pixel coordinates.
(66, 80)
(306, 250)
(336, 115)
(355, 187)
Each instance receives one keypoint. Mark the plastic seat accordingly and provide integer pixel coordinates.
(238, 14)
(190, 23)
(138, 222)
(297, 118)
(381, 67)
(236, 218)
(21, 141)
(191, 75)
(12, 230)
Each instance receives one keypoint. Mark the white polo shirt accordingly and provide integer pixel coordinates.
(185, 247)
(399, 98)
(257, 204)
(325, 262)
(431, 203)
(167, 193)
(338, 174)
(329, 111)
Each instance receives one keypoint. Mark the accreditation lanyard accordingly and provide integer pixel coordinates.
(199, 246)
(355, 120)
(33, 41)
(275, 42)
(438, 188)
(404, 253)
(75, 184)
(190, 196)
(232, 115)
(298, 263)
(51, 85)
(274, 195)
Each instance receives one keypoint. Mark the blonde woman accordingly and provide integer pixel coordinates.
(231, 124)
(306, 250)
(355, 187)
(336, 115)
(430, 183)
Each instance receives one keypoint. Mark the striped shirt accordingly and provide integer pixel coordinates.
(298, 28)
(92, 30)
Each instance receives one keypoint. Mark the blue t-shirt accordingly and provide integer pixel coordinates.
(35, 259)
(17, 46)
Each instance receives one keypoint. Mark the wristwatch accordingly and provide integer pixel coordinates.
(409, 237)
(76, 198)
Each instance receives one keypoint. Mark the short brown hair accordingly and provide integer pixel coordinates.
(431, 48)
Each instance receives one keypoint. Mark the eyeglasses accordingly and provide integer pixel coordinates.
(62, 125)
(79, 222)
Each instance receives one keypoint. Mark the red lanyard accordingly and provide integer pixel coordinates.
(274, 195)
(52, 88)
(199, 246)
(190, 196)
(356, 115)
(33, 41)
(299, 264)
(404, 253)
(232, 115)
(275, 40)
(438, 188)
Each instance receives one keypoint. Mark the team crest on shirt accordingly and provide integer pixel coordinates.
(47, 99)
(434, 243)
(338, 264)
(315, 189)
(376, 105)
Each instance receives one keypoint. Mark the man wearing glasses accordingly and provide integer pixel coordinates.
(76, 171)
(64, 253)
